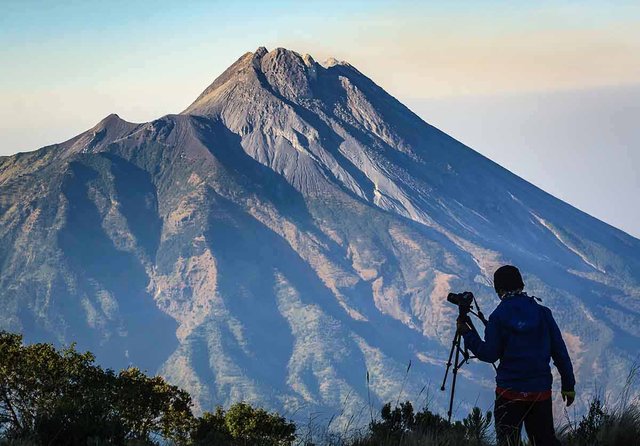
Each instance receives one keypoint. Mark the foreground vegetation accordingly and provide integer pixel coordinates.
(62, 398)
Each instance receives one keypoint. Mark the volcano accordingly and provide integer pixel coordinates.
(293, 231)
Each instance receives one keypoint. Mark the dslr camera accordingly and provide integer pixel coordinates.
(463, 300)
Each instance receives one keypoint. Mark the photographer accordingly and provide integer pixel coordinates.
(523, 335)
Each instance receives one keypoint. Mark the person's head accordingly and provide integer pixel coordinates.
(507, 279)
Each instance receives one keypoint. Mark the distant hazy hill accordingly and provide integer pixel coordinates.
(291, 230)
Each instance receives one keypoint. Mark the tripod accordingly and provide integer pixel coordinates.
(463, 313)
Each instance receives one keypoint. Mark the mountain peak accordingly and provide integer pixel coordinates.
(332, 61)
(109, 129)
(282, 88)
(281, 71)
(261, 51)
(113, 125)
(110, 119)
(284, 54)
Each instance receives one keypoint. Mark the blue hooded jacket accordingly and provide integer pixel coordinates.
(523, 335)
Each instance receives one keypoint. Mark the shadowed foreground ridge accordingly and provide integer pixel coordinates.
(293, 229)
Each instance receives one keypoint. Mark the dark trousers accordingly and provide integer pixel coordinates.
(537, 418)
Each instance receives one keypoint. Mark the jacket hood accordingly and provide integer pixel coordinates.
(521, 312)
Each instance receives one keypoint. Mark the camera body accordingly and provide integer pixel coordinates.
(463, 300)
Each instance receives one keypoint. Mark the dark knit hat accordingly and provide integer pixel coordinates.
(507, 278)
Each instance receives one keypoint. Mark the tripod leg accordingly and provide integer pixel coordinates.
(455, 375)
(446, 372)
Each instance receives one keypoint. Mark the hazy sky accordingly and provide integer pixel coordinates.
(548, 89)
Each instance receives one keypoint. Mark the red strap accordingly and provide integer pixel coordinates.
(523, 396)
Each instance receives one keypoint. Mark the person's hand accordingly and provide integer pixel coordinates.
(569, 396)
(462, 325)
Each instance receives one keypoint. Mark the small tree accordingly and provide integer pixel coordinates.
(149, 405)
(592, 424)
(211, 429)
(477, 426)
(44, 392)
(243, 425)
(251, 426)
(64, 398)
(394, 422)
(428, 422)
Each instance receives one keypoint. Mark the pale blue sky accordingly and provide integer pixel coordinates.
(491, 73)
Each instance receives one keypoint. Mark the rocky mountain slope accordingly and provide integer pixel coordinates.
(293, 229)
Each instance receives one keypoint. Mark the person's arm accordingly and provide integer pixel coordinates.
(560, 355)
(489, 350)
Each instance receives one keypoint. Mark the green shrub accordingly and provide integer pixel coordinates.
(62, 398)
(243, 425)
(400, 426)
(477, 427)
(604, 426)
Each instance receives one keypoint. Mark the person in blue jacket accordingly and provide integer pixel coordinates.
(524, 337)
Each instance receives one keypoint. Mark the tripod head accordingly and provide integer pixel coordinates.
(465, 302)
(462, 300)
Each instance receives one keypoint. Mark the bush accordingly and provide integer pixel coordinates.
(63, 398)
(400, 426)
(243, 425)
(211, 428)
(477, 427)
(603, 426)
